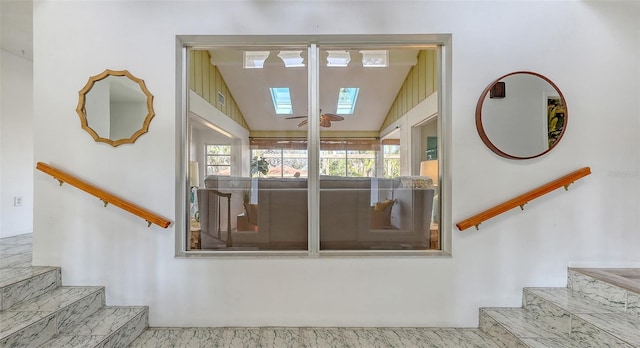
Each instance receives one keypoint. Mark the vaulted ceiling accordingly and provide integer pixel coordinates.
(250, 88)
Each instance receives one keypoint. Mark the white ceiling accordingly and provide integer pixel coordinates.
(250, 88)
(16, 27)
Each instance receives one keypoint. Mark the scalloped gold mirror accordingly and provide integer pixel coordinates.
(115, 107)
(521, 115)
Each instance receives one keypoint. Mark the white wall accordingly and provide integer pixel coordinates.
(589, 49)
(16, 144)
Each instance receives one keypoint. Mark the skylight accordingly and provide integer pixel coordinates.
(375, 58)
(291, 59)
(255, 59)
(347, 100)
(281, 100)
(338, 58)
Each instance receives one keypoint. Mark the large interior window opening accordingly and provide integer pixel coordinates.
(332, 154)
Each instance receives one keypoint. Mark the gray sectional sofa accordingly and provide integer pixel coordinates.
(354, 212)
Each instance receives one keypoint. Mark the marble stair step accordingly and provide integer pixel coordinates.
(14, 249)
(37, 320)
(108, 327)
(517, 327)
(558, 306)
(15, 261)
(19, 284)
(606, 287)
(565, 298)
(581, 318)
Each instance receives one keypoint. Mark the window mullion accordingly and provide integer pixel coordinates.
(313, 150)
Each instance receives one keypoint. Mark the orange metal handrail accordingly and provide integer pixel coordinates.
(104, 196)
(523, 199)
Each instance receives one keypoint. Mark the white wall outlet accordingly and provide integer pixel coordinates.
(17, 201)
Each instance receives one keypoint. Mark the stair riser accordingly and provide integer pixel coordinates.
(550, 314)
(586, 332)
(33, 335)
(570, 324)
(603, 293)
(129, 332)
(498, 333)
(29, 288)
(75, 313)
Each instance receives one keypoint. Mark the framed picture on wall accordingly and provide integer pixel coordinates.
(555, 118)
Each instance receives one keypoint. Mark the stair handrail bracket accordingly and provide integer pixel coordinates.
(522, 200)
(105, 197)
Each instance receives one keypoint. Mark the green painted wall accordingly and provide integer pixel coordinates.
(421, 82)
(206, 81)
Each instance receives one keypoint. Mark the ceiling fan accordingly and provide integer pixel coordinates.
(325, 119)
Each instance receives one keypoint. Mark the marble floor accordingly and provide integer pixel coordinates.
(313, 337)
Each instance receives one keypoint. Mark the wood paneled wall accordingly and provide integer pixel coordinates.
(206, 81)
(421, 82)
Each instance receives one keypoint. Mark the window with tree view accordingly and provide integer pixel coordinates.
(348, 158)
(218, 159)
(391, 159)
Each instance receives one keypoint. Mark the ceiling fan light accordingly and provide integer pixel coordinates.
(255, 59)
(338, 58)
(291, 59)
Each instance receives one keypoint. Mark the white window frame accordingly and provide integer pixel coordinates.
(207, 155)
(444, 76)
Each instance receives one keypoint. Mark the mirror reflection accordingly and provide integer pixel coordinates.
(115, 107)
(521, 115)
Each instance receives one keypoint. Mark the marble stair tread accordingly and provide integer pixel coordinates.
(16, 261)
(517, 327)
(610, 287)
(12, 322)
(61, 306)
(9, 276)
(568, 300)
(57, 299)
(23, 284)
(106, 320)
(19, 239)
(625, 278)
(522, 323)
(109, 326)
(14, 249)
(623, 326)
